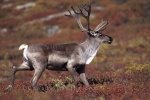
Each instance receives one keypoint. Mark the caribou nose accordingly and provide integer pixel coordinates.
(110, 40)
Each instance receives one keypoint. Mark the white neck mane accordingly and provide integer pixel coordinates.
(91, 55)
(91, 47)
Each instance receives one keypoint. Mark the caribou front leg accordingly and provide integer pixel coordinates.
(84, 80)
(72, 71)
(81, 72)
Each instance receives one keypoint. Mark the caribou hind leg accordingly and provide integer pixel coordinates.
(36, 77)
(39, 69)
(24, 66)
(71, 69)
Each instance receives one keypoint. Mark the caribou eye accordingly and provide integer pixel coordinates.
(97, 32)
(100, 35)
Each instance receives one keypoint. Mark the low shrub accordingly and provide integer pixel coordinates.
(134, 68)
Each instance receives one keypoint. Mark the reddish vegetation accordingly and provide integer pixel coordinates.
(121, 71)
(104, 85)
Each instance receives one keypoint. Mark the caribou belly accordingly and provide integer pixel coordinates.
(56, 62)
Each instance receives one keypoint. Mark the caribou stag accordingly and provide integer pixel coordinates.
(70, 57)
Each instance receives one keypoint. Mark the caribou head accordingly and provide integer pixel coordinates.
(85, 12)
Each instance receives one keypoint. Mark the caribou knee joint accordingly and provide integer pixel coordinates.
(14, 68)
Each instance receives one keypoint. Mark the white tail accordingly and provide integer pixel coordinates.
(23, 46)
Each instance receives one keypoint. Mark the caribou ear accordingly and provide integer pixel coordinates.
(93, 33)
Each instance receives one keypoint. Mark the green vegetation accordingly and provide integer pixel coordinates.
(120, 71)
(138, 68)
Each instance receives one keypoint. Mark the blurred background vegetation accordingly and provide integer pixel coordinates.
(29, 21)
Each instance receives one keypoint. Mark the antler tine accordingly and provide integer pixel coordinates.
(80, 25)
(101, 26)
(71, 11)
(70, 14)
(74, 13)
(74, 10)
(85, 11)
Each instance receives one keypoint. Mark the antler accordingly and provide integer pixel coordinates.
(84, 11)
(101, 26)
(74, 13)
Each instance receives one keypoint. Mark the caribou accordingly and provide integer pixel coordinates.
(71, 57)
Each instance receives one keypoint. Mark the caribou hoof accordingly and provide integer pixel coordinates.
(9, 88)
